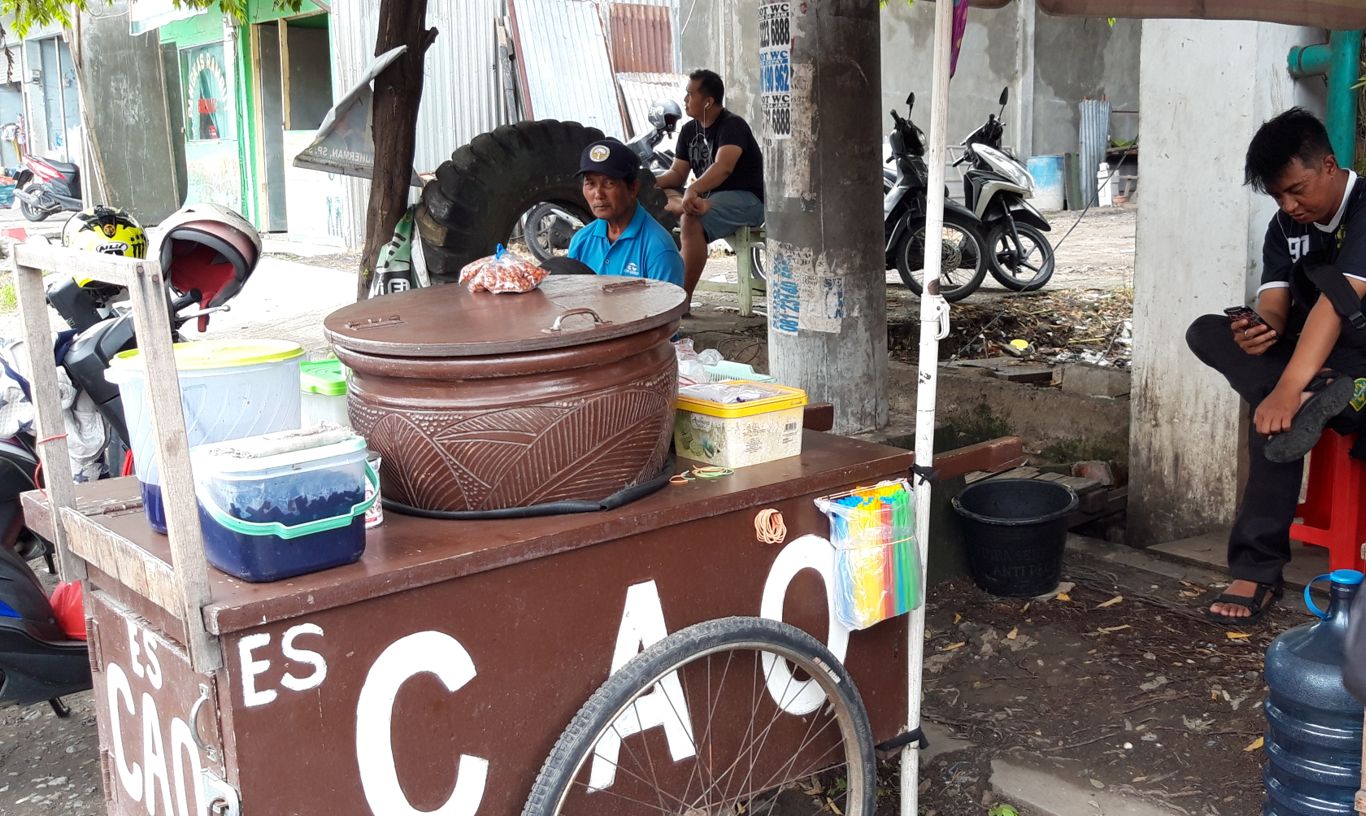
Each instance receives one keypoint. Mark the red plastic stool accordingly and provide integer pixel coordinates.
(1332, 514)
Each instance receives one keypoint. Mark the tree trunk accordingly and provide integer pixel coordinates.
(398, 91)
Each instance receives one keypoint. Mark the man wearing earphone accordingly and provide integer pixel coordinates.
(728, 192)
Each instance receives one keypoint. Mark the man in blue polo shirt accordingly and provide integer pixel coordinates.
(625, 239)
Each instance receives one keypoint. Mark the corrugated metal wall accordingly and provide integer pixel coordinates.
(564, 67)
(642, 38)
(460, 93)
(460, 97)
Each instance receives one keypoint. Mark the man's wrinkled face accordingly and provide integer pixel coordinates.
(609, 198)
(1308, 193)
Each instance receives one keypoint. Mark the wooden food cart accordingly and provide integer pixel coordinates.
(437, 673)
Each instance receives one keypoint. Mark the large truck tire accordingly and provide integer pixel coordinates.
(477, 197)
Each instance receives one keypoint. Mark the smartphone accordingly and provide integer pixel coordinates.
(1245, 313)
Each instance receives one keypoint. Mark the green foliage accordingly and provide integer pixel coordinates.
(884, 3)
(29, 14)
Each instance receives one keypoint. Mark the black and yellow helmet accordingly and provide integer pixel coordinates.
(105, 229)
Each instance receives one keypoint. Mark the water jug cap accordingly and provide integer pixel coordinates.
(1345, 577)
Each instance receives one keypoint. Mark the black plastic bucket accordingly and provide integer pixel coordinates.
(1015, 530)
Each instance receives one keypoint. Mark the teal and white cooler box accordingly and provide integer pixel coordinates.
(284, 504)
(228, 389)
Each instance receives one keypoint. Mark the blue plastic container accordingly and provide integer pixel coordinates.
(1313, 725)
(283, 504)
(1048, 182)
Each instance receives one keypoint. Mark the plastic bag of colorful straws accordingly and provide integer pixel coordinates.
(877, 563)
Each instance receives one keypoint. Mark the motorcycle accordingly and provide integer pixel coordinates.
(548, 228)
(903, 210)
(996, 187)
(208, 257)
(47, 186)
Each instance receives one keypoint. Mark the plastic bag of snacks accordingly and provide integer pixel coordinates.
(502, 272)
(877, 563)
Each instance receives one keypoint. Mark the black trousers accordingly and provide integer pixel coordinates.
(1259, 545)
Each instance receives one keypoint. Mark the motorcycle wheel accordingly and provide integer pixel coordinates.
(758, 260)
(1023, 268)
(548, 228)
(33, 213)
(964, 263)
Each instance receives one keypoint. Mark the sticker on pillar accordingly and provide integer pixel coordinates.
(784, 299)
(822, 298)
(775, 65)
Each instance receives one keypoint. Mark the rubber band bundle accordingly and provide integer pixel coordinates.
(877, 563)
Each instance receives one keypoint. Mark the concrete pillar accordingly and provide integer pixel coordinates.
(1198, 251)
(1023, 93)
(827, 297)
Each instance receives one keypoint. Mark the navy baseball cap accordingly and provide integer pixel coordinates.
(611, 158)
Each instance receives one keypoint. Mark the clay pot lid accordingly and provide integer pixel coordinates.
(450, 321)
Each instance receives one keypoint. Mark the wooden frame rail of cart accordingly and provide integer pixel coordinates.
(440, 672)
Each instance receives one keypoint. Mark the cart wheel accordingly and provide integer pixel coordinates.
(737, 715)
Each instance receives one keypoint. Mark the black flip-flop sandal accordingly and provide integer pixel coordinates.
(1309, 422)
(1263, 598)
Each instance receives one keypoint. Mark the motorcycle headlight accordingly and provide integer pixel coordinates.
(1018, 175)
(1007, 167)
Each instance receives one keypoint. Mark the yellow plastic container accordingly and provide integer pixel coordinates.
(737, 423)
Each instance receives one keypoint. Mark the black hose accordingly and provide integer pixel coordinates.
(612, 502)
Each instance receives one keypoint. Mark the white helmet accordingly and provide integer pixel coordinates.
(207, 247)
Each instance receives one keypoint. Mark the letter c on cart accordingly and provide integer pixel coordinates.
(443, 656)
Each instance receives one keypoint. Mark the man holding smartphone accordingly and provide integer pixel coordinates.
(1294, 359)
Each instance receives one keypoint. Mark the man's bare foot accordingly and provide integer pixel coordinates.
(1242, 589)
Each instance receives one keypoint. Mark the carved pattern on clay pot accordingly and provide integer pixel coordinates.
(584, 449)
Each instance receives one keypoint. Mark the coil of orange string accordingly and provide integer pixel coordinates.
(769, 527)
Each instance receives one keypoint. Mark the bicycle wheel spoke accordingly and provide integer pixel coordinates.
(778, 776)
(777, 712)
(623, 743)
(645, 740)
(744, 761)
(642, 803)
(704, 764)
(637, 777)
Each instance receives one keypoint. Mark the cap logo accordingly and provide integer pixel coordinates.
(599, 153)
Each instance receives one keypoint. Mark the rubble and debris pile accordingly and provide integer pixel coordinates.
(1092, 326)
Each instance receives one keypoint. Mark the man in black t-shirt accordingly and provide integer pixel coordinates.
(719, 149)
(1296, 360)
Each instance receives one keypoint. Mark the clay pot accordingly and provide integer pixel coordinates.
(485, 402)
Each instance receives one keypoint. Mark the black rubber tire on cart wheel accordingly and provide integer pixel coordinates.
(477, 197)
(678, 656)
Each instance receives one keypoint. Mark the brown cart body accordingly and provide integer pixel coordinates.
(437, 673)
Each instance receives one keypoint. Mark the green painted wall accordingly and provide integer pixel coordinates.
(208, 28)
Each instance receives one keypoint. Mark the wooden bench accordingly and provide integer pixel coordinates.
(749, 283)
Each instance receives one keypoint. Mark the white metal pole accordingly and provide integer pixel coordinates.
(933, 314)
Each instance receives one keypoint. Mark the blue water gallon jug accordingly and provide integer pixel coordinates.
(1313, 725)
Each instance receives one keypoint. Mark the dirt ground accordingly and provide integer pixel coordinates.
(1118, 684)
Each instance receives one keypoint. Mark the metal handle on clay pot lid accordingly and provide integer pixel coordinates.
(556, 326)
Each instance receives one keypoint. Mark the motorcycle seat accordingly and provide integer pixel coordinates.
(65, 168)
